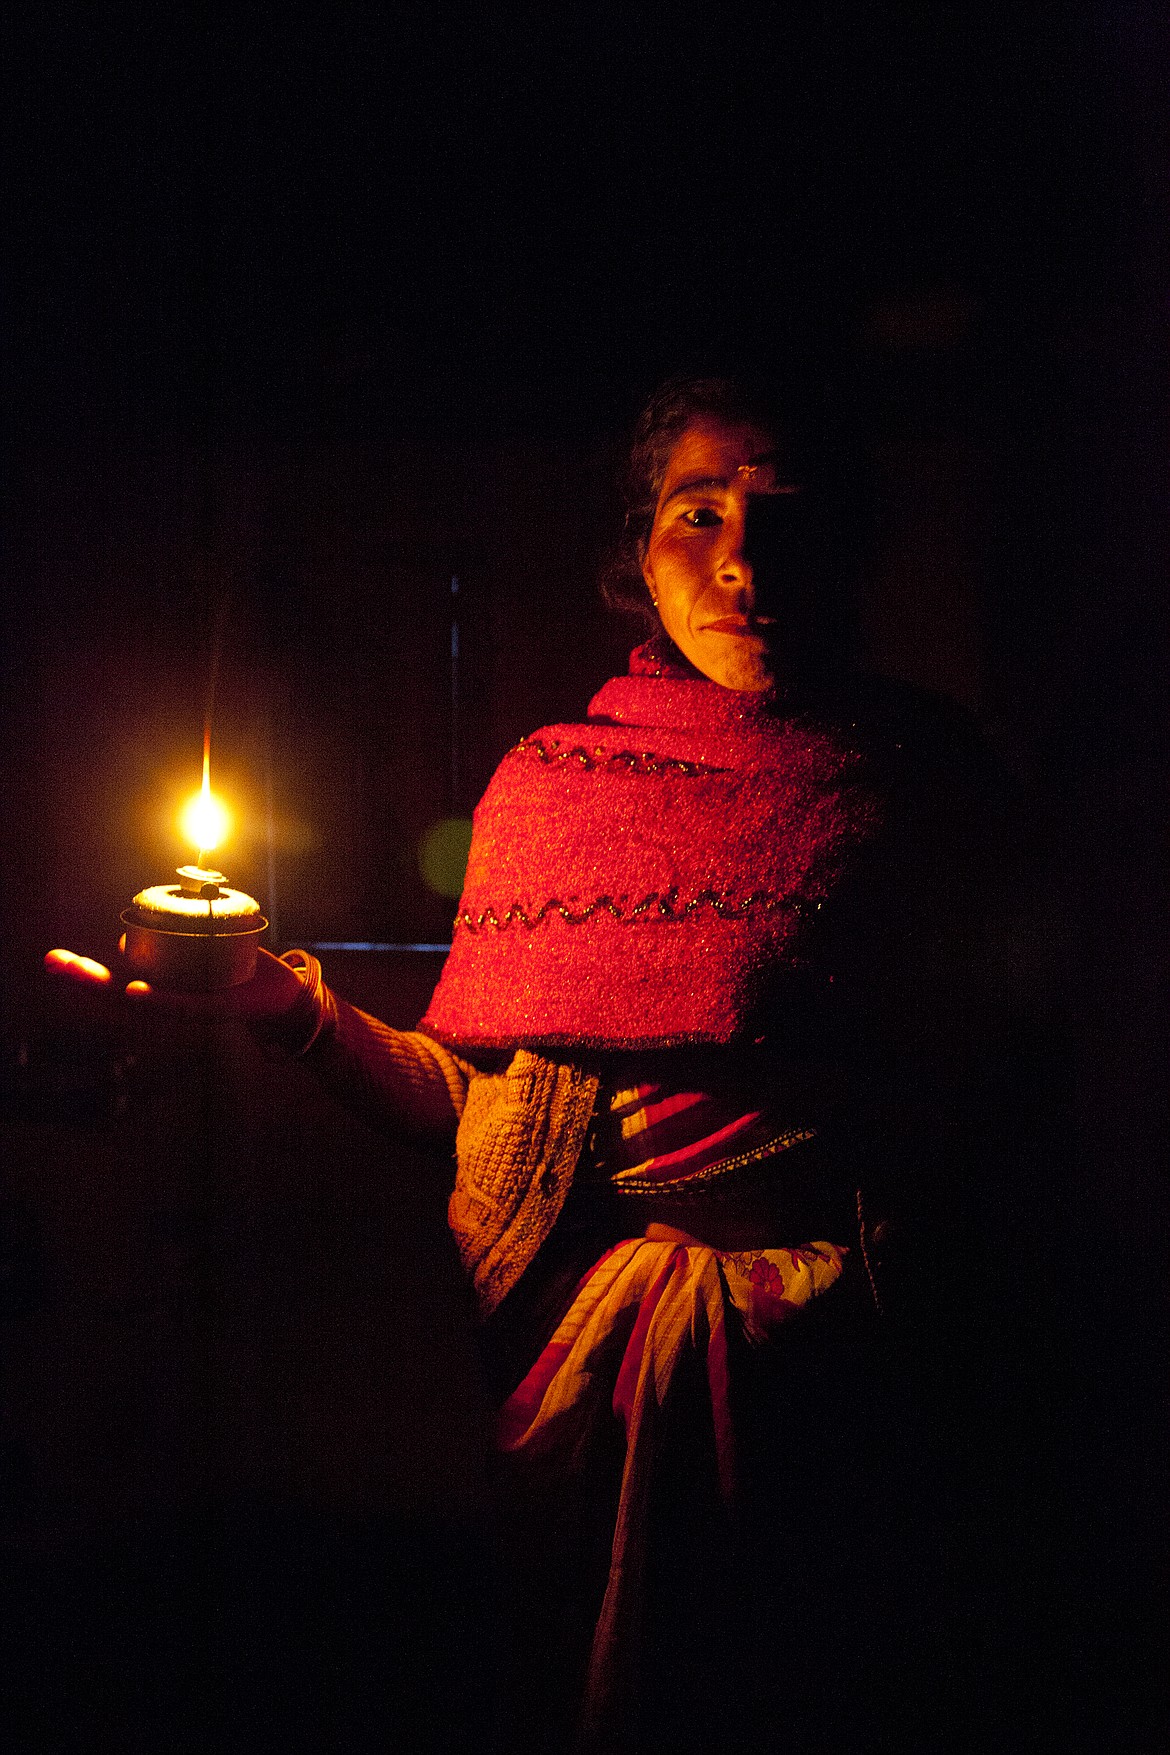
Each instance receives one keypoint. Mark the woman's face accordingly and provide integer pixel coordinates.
(699, 558)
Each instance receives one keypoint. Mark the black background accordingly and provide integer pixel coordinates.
(305, 314)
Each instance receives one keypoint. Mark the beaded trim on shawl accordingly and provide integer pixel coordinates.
(633, 761)
(665, 906)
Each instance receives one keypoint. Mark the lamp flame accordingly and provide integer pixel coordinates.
(205, 820)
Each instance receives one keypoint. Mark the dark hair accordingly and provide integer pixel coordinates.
(676, 405)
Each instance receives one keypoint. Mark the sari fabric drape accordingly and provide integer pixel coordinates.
(648, 1314)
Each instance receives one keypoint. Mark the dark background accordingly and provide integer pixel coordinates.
(303, 317)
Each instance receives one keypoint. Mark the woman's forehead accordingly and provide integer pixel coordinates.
(716, 451)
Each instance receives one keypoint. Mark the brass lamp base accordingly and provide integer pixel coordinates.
(197, 936)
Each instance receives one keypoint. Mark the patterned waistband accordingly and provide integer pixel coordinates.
(697, 1181)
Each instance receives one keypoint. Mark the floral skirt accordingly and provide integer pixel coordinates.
(647, 1316)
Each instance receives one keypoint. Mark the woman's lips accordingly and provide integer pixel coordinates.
(739, 624)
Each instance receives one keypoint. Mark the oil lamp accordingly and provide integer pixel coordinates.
(198, 935)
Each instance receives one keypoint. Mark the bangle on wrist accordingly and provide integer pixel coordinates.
(298, 1028)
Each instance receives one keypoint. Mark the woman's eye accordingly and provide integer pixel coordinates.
(702, 517)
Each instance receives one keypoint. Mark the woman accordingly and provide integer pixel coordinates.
(703, 1028)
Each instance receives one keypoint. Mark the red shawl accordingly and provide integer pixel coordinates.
(634, 881)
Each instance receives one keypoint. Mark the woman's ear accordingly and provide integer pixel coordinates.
(648, 573)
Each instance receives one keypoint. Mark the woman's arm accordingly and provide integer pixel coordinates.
(393, 1078)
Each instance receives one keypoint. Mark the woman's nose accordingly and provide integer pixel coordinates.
(734, 567)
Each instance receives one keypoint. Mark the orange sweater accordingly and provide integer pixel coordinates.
(517, 1130)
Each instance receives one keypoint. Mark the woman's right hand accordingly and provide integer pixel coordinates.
(272, 992)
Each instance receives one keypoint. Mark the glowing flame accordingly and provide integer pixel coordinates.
(205, 820)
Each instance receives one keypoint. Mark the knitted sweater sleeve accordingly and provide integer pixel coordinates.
(394, 1079)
